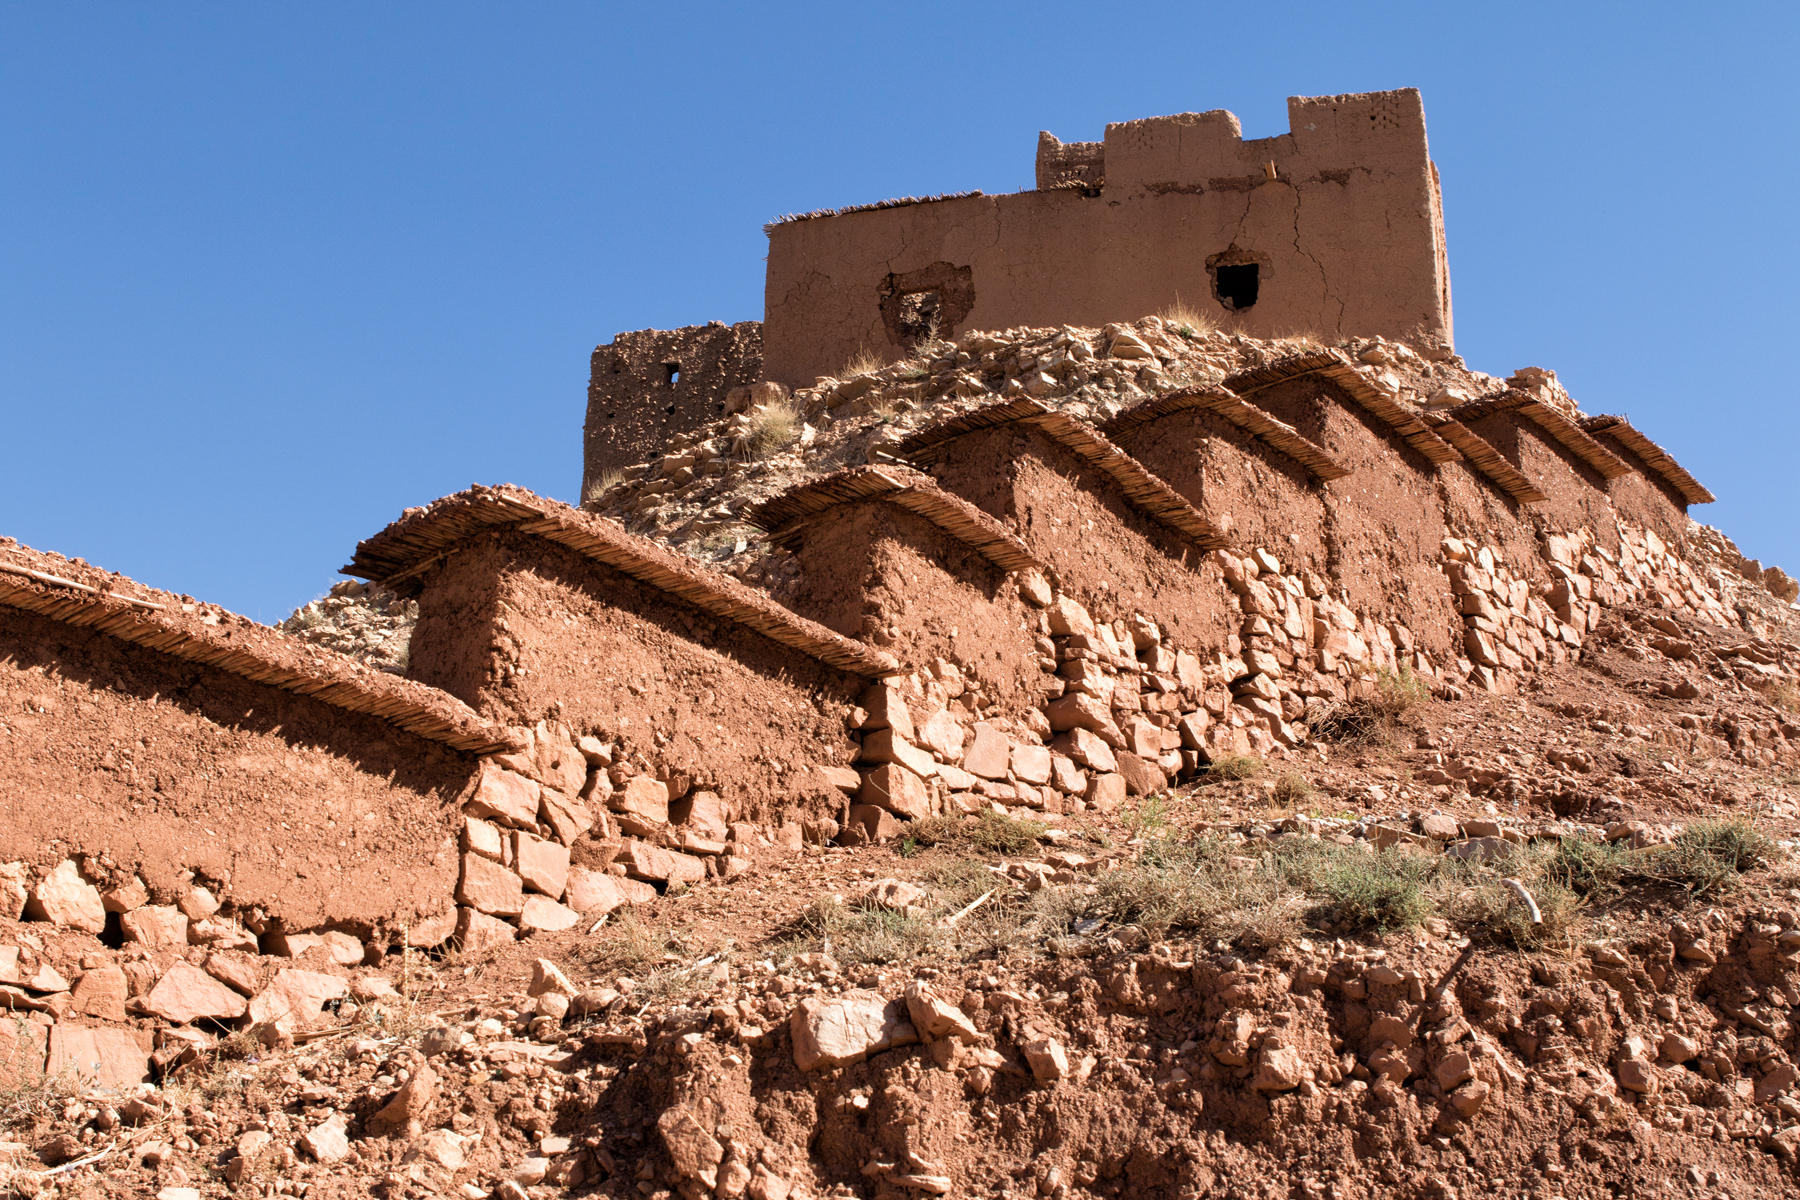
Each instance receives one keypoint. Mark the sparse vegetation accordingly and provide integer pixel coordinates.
(863, 362)
(1233, 766)
(1706, 858)
(601, 484)
(1370, 719)
(1150, 815)
(1291, 790)
(988, 832)
(1186, 320)
(772, 428)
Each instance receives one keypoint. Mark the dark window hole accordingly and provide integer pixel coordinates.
(1236, 284)
(671, 373)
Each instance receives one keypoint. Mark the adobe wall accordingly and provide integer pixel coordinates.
(523, 630)
(1340, 218)
(876, 572)
(1478, 511)
(1241, 484)
(645, 387)
(1645, 497)
(1384, 528)
(1575, 495)
(1107, 555)
(157, 767)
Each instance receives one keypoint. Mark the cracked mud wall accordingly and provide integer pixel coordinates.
(872, 571)
(153, 766)
(1101, 550)
(1342, 215)
(524, 630)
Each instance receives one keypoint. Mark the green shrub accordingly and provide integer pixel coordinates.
(1706, 859)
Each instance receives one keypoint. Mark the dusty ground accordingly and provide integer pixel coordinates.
(1224, 991)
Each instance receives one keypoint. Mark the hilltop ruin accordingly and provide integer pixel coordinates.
(1028, 512)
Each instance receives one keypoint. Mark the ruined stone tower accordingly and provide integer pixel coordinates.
(1334, 228)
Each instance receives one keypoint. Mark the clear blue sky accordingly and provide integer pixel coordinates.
(270, 273)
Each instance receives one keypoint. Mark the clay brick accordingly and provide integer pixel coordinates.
(488, 887)
(542, 865)
(896, 789)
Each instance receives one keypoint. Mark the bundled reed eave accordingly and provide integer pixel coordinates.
(786, 516)
(1332, 364)
(400, 553)
(1142, 489)
(78, 595)
(1233, 408)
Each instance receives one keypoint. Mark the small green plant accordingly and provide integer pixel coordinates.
(855, 934)
(1585, 868)
(1706, 858)
(1355, 890)
(1186, 320)
(1234, 766)
(1148, 817)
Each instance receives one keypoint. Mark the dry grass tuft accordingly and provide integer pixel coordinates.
(601, 484)
(1186, 320)
(773, 427)
(1371, 719)
(1233, 766)
(988, 833)
(864, 362)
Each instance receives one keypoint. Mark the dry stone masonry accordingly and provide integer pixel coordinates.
(943, 537)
